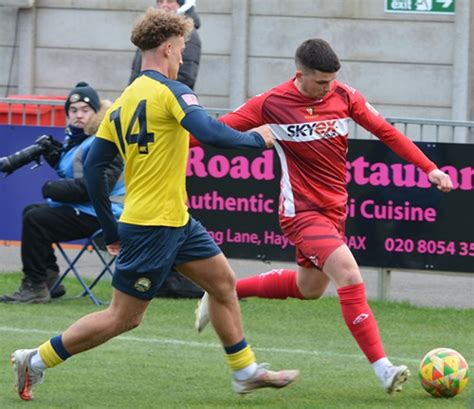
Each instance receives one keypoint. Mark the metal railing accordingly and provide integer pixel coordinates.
(427, 130)
(24, 111)
(417, 129)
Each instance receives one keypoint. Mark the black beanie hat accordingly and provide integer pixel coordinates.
(85, 93)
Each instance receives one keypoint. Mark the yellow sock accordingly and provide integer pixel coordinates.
(240, 355)
(48, 355)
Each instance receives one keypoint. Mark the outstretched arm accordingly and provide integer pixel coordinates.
(245, 118)
(365, 115)
(407, 150)
(212, 132)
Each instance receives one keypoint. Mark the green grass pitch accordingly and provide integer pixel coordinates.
(165, 364)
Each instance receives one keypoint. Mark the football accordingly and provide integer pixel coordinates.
(443, 372)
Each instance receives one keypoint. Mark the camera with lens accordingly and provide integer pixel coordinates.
(45, 145)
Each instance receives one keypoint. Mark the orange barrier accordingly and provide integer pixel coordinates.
(26, 113)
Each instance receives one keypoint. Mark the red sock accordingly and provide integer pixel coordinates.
(360, 320)
(279, 284)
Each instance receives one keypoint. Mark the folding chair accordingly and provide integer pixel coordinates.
(93, 244)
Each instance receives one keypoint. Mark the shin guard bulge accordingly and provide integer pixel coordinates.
(360, 320)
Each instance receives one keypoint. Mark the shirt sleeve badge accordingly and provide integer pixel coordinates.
(190, 99)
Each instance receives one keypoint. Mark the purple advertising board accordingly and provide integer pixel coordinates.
(396, 218)
(22, 187)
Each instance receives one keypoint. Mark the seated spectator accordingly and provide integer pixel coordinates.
(68, 213)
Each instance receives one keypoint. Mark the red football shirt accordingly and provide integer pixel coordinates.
(311, 141)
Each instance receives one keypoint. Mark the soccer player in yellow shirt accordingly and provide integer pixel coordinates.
(149, 126)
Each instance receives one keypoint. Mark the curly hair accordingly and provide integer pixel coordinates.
(157, 26)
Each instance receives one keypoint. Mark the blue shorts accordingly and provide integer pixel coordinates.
(148, 254)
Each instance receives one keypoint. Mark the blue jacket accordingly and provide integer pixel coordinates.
(71, 189)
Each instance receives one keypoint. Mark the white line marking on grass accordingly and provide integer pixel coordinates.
(196, 344)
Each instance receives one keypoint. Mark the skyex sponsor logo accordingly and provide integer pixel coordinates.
(322, 129)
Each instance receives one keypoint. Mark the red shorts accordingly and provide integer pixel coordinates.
(315, 236)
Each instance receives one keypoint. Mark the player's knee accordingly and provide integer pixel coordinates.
(349, 276)
(128, 325)
(224, 289)
(344, 271)
(315, 295)
(134, 320)
(312, 293)
(124, 322)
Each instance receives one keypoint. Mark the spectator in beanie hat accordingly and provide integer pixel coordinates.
(85, 93)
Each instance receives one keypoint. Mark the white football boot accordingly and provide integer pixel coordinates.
(202, 313)
(25, 377)
(264, 378)
(394, 377)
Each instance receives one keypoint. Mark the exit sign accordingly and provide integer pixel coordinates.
(420, 6)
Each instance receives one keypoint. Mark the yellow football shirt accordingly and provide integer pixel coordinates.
(144, 124)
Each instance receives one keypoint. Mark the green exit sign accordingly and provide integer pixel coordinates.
(420, 6)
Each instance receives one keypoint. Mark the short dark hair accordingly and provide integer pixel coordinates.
(316, 54)
(157, 26)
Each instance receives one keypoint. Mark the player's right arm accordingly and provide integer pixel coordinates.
(101, 153)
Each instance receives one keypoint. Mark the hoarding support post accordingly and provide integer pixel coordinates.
(383, 288)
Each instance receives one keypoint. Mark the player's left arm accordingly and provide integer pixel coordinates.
(246, 117)
(369, 118)
(208, 130)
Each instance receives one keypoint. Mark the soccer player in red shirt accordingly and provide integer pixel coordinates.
(309, 116)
